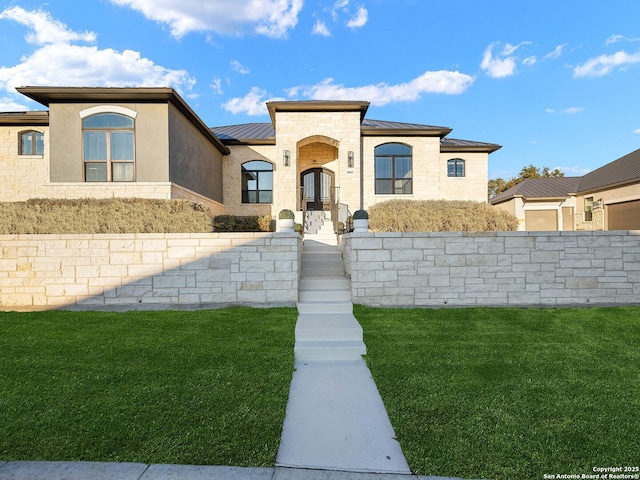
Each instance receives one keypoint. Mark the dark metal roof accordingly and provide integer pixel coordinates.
(383, 127)
(254, 133)
(39, 118)
(457, 145)
(550, 188)
(617, 173)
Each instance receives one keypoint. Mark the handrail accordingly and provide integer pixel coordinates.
(335, 207)
(303, 207)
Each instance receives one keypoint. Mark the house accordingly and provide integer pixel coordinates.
(605, 199)
(149, 143)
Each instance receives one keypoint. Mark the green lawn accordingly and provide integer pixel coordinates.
(205, 387)
(509, 393)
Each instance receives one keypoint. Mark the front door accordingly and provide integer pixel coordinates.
(316, 184)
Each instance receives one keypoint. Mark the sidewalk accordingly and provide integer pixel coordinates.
(140, 471)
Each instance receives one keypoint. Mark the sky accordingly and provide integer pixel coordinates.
(556, 83)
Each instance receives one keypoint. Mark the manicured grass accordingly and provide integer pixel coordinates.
(204, 387)
(509, 393)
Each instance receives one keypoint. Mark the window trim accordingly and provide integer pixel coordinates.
(257, 190)
(393, 178)
(108, 161)
(34, 143)
(456, 162)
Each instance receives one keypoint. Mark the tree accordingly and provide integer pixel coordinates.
(499, 185)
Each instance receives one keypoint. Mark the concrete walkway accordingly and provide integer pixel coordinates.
(335, 417)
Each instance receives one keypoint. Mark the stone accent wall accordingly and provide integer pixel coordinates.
(148, 270)
(497, 269)
(22, 176)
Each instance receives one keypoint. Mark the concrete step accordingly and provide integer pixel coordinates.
(329, 350)
(314, 327)
(328, 263)
(310, 245)
(327, 282)
(322, 272)
(322, 256)
(326, 239)
(340, 295)
(325, 307)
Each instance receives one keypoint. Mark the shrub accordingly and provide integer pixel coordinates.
(439, 216)
(286, 215)
(233, 223)
(113, 215)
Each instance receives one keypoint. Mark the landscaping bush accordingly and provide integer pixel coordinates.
(113, 215)
(439, 216)
(233, 223)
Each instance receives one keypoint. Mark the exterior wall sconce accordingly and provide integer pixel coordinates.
(350, 159)
(286, 158)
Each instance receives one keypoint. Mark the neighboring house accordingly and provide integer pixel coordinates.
(541, 204)
(147, 142)
(606, 199)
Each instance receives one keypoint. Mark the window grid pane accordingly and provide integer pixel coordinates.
(393, 169)
(257, 182)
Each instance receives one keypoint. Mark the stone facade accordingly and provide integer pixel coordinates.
(148, 270)
(495, 269)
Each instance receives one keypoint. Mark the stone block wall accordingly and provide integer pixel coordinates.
(148, 270)
(494, 269)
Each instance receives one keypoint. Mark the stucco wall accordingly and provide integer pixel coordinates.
(194, 162)
(151, 142)
(497, 269)
(148, 270)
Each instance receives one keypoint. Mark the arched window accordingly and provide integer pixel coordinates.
(257, 182)
(31, 143)
(455, 167)
(108, 141)
(393, 169)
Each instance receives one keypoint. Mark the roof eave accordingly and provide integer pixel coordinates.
(488, 148)
(404, 132)
(317, 106)
(249, 141)
(48, 95)
(40, 119)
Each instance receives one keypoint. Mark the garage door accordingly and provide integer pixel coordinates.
(623, 216)
(541, 220)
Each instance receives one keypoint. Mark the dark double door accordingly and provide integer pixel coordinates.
(316, 185)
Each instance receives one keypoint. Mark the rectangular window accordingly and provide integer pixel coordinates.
(31, 143)
(393, 169)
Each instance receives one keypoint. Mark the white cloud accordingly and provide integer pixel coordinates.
(497, 67)
(620, 38)
(604, 64)
(566, 111)
(574, 171)
(58, 62)
(216, 86)
(238, 67)
(359, 19)
(451, 83)
(273, 18)
(320, 28)
(530, 60)
(556, 53)
(253, 104)
(637, 130)
(505, 63)
(44, 29)
(9, 105)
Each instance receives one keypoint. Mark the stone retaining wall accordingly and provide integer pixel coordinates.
(498, 269)
(148, 270)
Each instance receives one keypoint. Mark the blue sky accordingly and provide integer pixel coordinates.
(556, 83)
